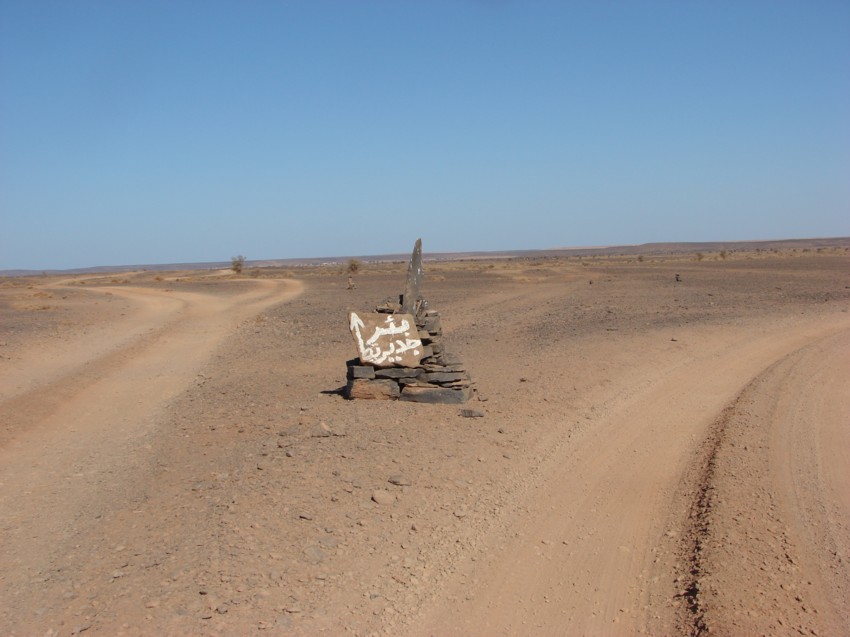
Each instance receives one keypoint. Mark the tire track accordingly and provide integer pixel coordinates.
(765, 545)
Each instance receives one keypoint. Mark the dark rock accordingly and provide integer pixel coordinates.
(435, 395)
(450, 359)
(414, 381)
(460, 383)
(432, 324)
(443, 377)
(361, 371)
(398, 372)
(444, 368)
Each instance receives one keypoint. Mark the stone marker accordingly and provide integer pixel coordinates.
(402, 353)
(386, 340)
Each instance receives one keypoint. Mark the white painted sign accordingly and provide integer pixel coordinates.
(386, 340)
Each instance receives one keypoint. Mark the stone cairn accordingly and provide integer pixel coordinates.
(402, 354)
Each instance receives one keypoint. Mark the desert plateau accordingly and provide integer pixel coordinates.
(659, 444)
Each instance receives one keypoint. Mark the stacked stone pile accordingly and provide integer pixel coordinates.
(438, 377)
(401, 350)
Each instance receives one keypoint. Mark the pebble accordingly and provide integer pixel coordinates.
(471, 413)
(399, 480)
(379, 496)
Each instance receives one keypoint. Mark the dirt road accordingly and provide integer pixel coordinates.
(598, 534)
(76, 417)
(655, 456)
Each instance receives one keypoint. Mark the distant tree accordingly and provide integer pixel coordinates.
(700, 256)
(237, 263)
(353, 266)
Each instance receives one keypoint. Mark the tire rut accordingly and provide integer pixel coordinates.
(742, 537)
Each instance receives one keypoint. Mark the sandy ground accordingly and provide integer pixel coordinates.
(654, 456)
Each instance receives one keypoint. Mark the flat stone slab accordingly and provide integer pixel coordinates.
(397, 372)
(444, 377)
(386, 340)
(436, 395)
(373, 389)
(361, 371)
(444, 368)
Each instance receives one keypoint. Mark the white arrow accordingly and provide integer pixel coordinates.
(354, 325)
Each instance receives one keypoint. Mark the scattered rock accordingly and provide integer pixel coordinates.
(379, 496)
(399, 480)
(322, 430)
(471, 413)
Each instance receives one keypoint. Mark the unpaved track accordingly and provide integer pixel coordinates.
(72, 422)
(589, 553)
(774, 494)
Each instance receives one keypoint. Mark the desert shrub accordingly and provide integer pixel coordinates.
(237, 263)
(353, 266)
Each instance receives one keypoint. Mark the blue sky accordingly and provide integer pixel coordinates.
(182, 131)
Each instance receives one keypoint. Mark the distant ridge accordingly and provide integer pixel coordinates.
(627, 250)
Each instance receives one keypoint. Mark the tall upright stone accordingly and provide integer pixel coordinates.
(412, 286)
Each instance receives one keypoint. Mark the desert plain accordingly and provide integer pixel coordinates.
(648, 455)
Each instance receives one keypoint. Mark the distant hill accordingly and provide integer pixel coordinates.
(642, 249)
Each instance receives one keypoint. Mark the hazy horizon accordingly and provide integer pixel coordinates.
(431, 255)
(178, 132)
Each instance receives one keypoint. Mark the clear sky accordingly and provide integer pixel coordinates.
(179, 131)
